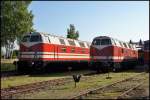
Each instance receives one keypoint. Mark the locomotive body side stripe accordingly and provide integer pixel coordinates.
(52, 56)
(107, 57)
(56, 60)
(73, 56)
(70, 56)
(50, 53)
(111, 57)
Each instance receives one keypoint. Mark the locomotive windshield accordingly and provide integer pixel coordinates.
(101, 42)
(35, 38)
(32, 38)
(105, 42)
(26, 38)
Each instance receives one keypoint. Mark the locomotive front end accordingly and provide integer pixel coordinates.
(101, 53)
(30, 52)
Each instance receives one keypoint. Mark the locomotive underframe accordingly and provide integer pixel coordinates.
(104, 66)
(44, 66)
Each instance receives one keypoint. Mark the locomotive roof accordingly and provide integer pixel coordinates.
(110, 38)
(102, 37)
(43, 33)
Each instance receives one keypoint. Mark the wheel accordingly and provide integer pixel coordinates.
(98, 70)
(105, 69)
(23, 68)
(116, 67)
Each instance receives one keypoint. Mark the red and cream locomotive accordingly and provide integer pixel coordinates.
(40, 51)
(107, 52)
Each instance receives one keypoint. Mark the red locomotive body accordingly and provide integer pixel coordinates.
(107, 52)
(39, 51)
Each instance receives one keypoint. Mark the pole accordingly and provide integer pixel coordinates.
(75, 84)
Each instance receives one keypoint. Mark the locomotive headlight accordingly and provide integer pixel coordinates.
(32, 63)
(35, 55)
(106, 63)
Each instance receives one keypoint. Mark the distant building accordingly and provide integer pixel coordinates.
(139, 44)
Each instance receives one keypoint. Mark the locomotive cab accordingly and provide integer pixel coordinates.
(98, 44)
(30, 45)
(32, 37)
(100, 52)
(28, 57)
(101, 41)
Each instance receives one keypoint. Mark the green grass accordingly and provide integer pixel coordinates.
(26, 79)
(68, 90)
(7, 67)
(21, 80)
(8, 60)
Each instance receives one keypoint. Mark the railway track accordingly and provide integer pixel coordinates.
(112, 91)
(9, 73)
(128, 91)
(6, 74)
(132, 93)
(7, 93)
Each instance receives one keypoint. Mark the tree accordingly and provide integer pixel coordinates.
(131, 41)
(140, 42)
(71, 33)
(15, 20)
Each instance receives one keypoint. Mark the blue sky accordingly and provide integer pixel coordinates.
(123, 20)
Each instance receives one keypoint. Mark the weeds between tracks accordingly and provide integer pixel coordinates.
(109, 91)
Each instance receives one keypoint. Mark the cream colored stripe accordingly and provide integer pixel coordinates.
(52, 56)
(111, 57)
(73, 56)
(52, 53)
